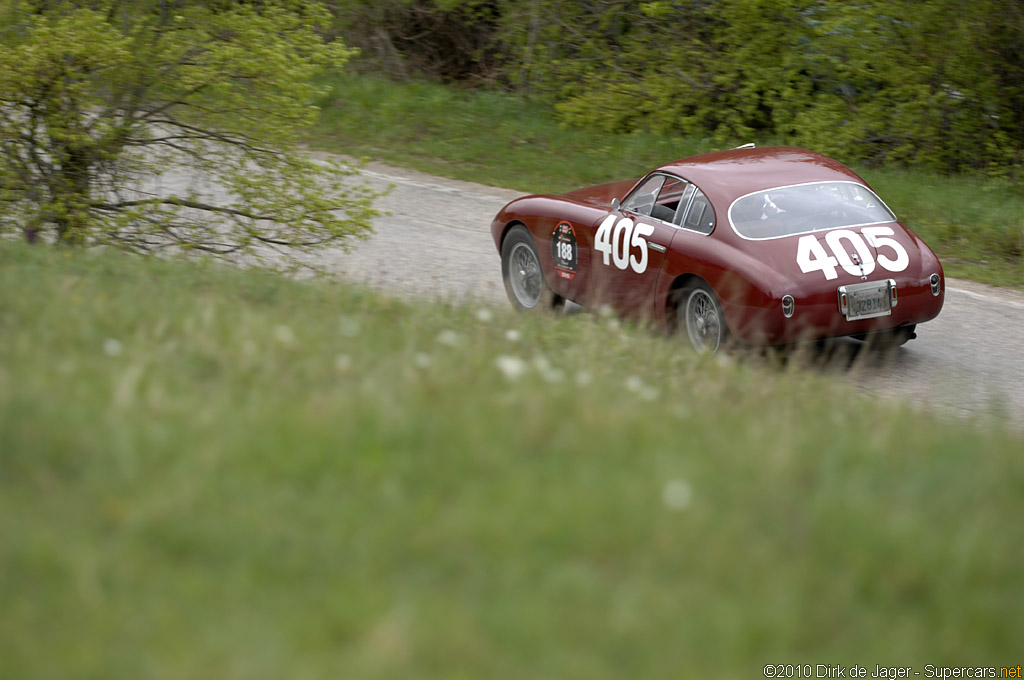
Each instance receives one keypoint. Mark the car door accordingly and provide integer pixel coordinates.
(630, 244)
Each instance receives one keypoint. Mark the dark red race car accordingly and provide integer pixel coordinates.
(766, 246)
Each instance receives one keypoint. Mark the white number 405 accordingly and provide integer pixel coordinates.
(812, 257)
(616, 244)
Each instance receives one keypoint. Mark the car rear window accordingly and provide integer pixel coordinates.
(806, 207)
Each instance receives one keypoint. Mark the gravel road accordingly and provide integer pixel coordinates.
(436, 242)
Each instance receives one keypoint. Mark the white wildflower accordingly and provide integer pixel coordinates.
(285, 335)
(422, 360)
(553, 375)
(342, 362)
(448, 337)
(649, 393)
(349, 327)
(249, 349)
(512, 335)
(484, 315)
(634, 384)
(511, 367)
(112, 347)
(638, 387)
(677, 494)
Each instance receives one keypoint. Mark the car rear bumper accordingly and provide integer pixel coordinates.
(819, 316)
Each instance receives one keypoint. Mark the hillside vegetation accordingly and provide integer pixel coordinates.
(975, 224)
(936, 84)
(925, 99)
(224, 473)
(220, 473)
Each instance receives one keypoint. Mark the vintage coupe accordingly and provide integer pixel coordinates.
(766, 246)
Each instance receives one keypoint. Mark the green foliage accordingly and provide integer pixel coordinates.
(936, 84)
(163, 125)
(913, 83)
(261, 478)
(449, 39)
(908, 83)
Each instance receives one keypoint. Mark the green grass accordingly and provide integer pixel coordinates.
(486, 137)
(210, 473)
(976, 225)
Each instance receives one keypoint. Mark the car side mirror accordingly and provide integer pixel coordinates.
(615, 204)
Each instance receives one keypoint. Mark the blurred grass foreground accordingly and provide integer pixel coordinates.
(210, 473)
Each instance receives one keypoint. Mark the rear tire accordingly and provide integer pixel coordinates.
(699, 316)
(525, 285)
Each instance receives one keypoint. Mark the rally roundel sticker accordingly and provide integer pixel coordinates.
(563, 250)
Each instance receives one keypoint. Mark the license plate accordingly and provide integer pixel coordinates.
(867, 300)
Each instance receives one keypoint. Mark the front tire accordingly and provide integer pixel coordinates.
(700, 317)
(521, 271)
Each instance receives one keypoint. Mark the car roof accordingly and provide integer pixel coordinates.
(724, 176)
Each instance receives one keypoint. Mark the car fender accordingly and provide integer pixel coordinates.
(542, 215)
(743, 284)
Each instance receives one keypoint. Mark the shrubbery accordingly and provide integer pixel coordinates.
(937, 84)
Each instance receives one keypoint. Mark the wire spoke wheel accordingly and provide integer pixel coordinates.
(525, 283)
(525, 275)
(704, 325)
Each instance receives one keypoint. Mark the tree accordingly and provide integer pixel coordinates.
(936, 84)
(168, 124)
(451, 40)
(918, 83)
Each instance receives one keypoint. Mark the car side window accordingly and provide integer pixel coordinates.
(684, 202)
(700, 216)
(642, 200)
(662, 197)
(674, 192)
